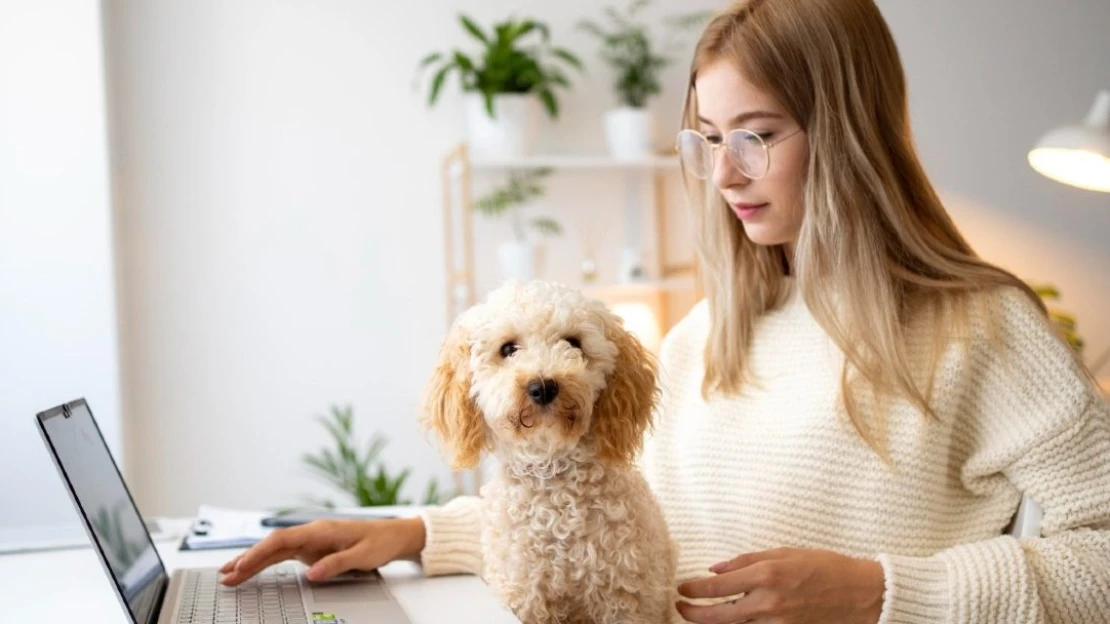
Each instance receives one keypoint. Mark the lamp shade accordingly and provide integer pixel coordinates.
(1078, 155)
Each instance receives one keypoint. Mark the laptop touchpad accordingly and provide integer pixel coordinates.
(351, 587)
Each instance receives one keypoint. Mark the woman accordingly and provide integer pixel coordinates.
(851, 416)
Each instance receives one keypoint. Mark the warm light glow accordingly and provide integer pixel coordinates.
(1081, 168)
(639, 320)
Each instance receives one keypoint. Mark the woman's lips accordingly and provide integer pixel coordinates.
(747, 211)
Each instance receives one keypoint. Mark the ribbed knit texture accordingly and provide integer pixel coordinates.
(451, 543)
(781, 465)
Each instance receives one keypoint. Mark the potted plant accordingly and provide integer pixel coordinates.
(504, 85)
(353, 471)
(629, 51)
(519, 257)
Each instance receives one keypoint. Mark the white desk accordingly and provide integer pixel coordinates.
(70, 587)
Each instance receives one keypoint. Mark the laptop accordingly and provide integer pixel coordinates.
(280, 594)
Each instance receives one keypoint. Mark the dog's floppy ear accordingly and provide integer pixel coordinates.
(624, 409)
(448, 408)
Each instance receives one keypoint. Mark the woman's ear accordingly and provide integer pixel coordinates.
(448, 408)
(624, 410)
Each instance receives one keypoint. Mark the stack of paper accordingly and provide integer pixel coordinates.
(216, 527)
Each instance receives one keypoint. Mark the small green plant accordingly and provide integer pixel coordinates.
(629, 51)
(521, 188)
(511, 61)
(1065, 322)
(356, 472)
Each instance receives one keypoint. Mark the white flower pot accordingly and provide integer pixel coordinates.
(519, 260)
(510, 133)
(629, 133)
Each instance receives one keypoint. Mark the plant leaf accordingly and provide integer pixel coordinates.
(431, 493)
(504, 39)
(617, 18)
(547, 226)
(593, 28)
(1047, 291)
(437, 83)
(549, 102)
(568, 56)
(463, 62)
(636, 6)
(524, 28)
(545, 32)
(473, 29)
(557, 77)
(428, 60)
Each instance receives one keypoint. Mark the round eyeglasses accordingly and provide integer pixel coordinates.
(748, 151)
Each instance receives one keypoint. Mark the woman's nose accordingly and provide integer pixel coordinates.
(725, 173)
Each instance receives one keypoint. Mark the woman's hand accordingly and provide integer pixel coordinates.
(331, 547)
(789, 585)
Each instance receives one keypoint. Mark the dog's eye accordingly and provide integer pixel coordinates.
(574, 342)
(508, 349)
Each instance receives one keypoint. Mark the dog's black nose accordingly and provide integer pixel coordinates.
(543, 391)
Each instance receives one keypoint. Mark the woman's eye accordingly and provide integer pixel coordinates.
(751, 137)
(574, 342)
(508, 349)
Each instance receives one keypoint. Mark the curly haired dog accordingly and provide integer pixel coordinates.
(552, 385)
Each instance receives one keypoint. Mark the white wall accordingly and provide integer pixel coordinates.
(279, 217)
(57, 299)
(986, 80)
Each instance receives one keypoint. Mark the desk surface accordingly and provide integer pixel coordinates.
(69, 586)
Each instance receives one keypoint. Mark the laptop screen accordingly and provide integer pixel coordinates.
(105, 503)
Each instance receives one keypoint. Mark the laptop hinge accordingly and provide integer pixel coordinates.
(159, 602)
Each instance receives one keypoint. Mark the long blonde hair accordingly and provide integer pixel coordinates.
(876, 245)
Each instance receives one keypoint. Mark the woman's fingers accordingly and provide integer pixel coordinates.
(328, 547)
(243, 570)
(746, 609)
(732, 583)
(747, 559)
(338, 563)
(277, 546)
(229, 566)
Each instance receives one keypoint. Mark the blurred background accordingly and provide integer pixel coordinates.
(221, 222)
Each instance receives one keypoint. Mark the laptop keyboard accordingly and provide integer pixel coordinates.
(272, 596)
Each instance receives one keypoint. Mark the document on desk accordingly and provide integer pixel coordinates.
(217, 527)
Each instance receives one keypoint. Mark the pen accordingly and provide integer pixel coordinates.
(295, 519)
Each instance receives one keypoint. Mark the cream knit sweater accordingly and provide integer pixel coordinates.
(781, 466)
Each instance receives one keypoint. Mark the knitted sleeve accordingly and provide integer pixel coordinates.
(453, 537)
(1042, 425)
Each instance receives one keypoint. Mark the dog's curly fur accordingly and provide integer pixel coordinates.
(571, 532)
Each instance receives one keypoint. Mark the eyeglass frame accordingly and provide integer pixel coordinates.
(724, 143)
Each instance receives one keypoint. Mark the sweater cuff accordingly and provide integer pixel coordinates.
(453, 537)
(917, 590)
(987, 581)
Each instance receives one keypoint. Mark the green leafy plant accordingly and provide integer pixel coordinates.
(627, 47)
(511, 61)
(1065, 322)
(356, 472)
(508, 199)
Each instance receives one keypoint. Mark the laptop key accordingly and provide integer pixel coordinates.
(272, 597)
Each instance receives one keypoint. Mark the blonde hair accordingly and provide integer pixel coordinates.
(876, 245)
